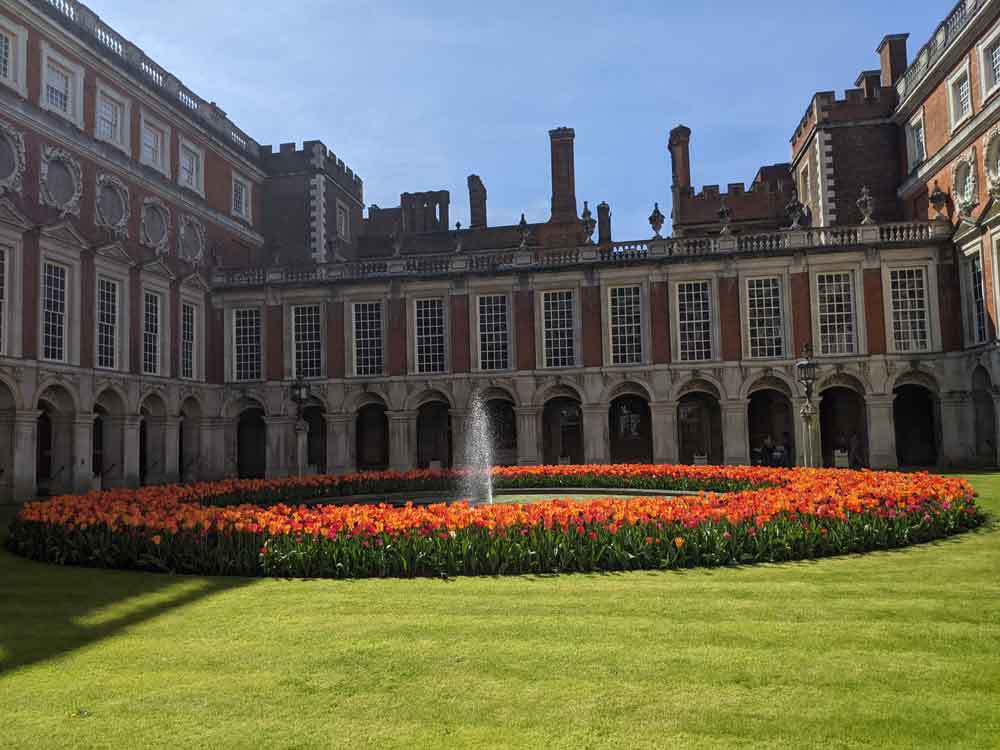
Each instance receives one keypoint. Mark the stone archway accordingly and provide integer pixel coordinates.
(189, 441)
(843, 425)
(915, 414)
(434, 448)
(562, 431)
(630, 428)
(699, 428)
(315, 419)
(108, 440)
(372, 437)
(251, 444)
(984, 417)
(54, 442)
(771, 428)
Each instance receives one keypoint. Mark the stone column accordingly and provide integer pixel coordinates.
(155, 449)
(82, 453)
(25, 454)
(664, 428)
(957, 433)
(458, 452)
(399, 440)
(171, 455)
(130, 451)
(735, 447)
(527, 435)
(212, 461)
(338, 453)
(280, 446)
(595, 434)
(881, 432)
(301, 446)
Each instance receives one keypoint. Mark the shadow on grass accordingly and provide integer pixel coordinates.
(49, 611)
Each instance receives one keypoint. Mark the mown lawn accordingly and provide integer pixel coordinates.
(888, 650)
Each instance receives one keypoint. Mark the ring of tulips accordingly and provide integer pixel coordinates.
(304, 528)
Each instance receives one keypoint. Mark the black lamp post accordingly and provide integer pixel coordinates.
(300, 394)
(805, 373)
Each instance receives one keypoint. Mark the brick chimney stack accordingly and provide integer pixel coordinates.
(869, 81)
(680, 156)
(892, 53)
(477, 202)
(563, 176)
(603, 223)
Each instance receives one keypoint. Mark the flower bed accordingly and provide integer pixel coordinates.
(262, 528)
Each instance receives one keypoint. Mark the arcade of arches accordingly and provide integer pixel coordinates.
(59, 445)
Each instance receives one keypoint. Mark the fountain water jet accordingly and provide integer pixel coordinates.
(477, 483)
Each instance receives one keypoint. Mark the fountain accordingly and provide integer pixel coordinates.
(477, 481)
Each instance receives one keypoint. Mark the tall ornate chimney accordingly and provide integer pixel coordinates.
(563, 176)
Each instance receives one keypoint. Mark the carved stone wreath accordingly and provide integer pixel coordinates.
(121, 228)
(993, 161)
(163, 243)
(14, 181)
(965, 185)
(50, 156)
(190, 224)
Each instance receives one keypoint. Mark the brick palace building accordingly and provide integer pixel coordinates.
(165, 281)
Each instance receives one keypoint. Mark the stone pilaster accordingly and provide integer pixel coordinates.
(595, 435)
(735, 445)
(130, 453)
(957, 433)
(82, 475)
(25, 454)
(339, 455)
(527, 435)
(459, 417)
(881, 432)
(399, 440)
(663, 415)
(171, 453)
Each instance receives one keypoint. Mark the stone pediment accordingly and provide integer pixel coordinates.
(11, 216)
(65, 234)
(116, 253)
(195, 281)
(158, 268)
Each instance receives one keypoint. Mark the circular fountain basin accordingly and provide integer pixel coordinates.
(514, 495)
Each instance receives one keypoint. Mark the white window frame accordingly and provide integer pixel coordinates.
(163, 292)
(121, 292)
(857, 304)
(675, 323)
(968, 309)
(12, 321)
(351, 323)
(345, 235)
(75, 72)
(541, 336)
(788, 345)
(115, 270)
(199, 186)
(911, 140)
(476, 326)
(411, 325)
(929, 269)
(231, 342)
(124, 140)
(146, 119)
(988, 87)
(293, 338)
(963, 70)
(197, 301)
(609, 339)
(248, 198)
(17, 74)
(51, 253)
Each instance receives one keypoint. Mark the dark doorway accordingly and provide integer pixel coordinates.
(843, 428)
(372, 438)
(251, 445)
(97, 442)
(562, 432)
(143, 450)
(771, 429)
(503, 423)
(985, 417)
(914, 412)
(433, 435)
(699, 423)
(630, 426)
(316, 439)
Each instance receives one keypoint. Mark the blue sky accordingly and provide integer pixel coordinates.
(416, 96)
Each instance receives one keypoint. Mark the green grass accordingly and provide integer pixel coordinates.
(888, 650)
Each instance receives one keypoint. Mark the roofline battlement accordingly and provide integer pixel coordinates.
(824, 106)
(312, 155)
